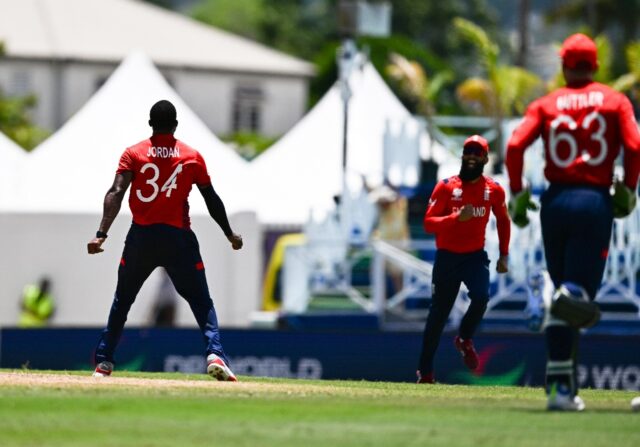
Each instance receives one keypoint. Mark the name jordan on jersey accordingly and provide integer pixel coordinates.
(163, 152)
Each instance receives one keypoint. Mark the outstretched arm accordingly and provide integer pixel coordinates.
(112, 203)
(219, 214)
(503, 223)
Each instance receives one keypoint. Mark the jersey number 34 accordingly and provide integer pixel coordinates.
(168, 186)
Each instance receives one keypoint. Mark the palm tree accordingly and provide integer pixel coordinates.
(414, 83)
(630, 80)
(503, 91)
(620, 19)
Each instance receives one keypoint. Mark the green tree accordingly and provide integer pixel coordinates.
(421, 32)
(428, 23)
(249, 144)
(297, 27)
(379, 51)
(413, 81)
(15, 121)
(242, 17)
(631, 79)
(620, 20)
(503, 90)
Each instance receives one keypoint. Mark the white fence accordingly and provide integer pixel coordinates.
(324, 266)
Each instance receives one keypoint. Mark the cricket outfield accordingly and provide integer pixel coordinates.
(171, 409)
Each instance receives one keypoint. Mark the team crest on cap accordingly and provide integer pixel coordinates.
(457, 194)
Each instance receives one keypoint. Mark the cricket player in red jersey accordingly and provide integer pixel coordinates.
(161, 171)
(583, 126)
(458, 213)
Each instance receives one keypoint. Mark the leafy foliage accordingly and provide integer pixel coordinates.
(242, 17)
(619, 20)
(249, 144)
(15, 121)
(414, 83)
(276, 24)
(379, 51)
(505, 90)
(631, 80)
(428, 23)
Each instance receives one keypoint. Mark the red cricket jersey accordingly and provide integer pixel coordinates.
(164, 169)
(582, 127)
(444, 206)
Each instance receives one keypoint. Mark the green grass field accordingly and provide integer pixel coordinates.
(143, 409)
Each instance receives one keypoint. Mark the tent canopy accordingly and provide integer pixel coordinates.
(302, 172)
(71, 171)
(11, 171)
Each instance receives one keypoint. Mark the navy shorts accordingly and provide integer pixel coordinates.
(576, 230)
(451, 269)
(177, 250)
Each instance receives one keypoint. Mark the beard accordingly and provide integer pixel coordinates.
(469, 173)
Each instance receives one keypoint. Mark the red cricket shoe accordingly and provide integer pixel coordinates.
(218, 369)
(469, 354)
(427, 378)
(103, 369)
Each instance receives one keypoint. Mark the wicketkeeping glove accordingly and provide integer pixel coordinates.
(518, 206)
(624, 200)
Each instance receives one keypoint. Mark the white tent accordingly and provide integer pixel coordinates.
(72, 170)
(303, 170)
(11, 171)
(58, 209)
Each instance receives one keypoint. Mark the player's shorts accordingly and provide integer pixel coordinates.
(576, 229)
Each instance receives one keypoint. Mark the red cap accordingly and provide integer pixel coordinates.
(477, 141)
(579, 48)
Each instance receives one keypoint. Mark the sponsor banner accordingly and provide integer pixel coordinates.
(607, 361)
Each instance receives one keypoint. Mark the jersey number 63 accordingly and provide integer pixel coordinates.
(559, 135)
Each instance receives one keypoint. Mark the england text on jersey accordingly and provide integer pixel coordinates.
(478, 211)
(163, 152)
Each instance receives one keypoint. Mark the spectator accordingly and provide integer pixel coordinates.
(37, 304)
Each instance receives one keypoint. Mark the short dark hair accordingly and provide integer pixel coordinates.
(162, 115)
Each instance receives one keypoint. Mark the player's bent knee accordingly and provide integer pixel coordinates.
(553, 321)
(571, 303)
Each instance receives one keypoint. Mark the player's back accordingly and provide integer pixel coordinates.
(582, 132)
(164, 169)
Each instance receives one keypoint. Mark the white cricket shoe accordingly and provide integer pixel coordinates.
(103, 369)
(559, 401)
(218, 369)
